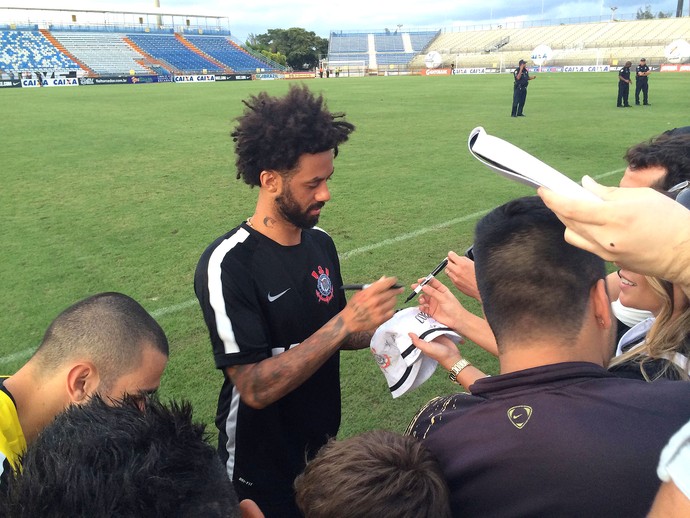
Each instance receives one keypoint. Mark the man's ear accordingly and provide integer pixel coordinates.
(601, 304)
(270, 180)
(82, 381)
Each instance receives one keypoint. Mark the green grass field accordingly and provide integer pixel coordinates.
(121, 188)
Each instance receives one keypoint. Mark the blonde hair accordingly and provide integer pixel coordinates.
(669, 335)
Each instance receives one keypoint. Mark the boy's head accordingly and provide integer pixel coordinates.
(377, 473)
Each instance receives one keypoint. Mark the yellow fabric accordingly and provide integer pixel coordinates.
(12, 442)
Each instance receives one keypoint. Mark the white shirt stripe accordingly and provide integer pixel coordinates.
(215, 290)
(231, 431)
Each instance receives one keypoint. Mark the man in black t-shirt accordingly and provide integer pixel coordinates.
(554, 434)
(642, 82)
(270, 293)
(624, 85)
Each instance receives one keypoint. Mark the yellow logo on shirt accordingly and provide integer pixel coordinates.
(519, 415)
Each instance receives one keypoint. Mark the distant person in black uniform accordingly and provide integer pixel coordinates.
(270, 293)
(624, 86)
(642, 82)
(522, 80)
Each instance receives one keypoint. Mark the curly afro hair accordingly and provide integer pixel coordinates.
(273, 132)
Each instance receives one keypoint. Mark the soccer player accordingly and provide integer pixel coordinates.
(270, 293)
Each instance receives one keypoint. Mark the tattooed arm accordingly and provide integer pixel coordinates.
(356, 341)
(265, 382)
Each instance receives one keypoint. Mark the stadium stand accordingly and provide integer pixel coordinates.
(600, 42)
(228, 53)
(170, 50)
(393, 58)
(389, 43)
(348, 43)
(103, 52)
(609, 42)
(29, 51)
(376, 49)
(348, 59)
(420, 40)
(108, 50)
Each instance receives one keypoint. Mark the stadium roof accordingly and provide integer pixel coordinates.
(75, 8)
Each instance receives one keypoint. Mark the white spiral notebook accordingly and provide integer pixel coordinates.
(512, 162)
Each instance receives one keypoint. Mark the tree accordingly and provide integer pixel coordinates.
(300, 47)
(275, 56)
(255, 44)
(647, 14)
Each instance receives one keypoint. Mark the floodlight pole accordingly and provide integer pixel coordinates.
(159, 20)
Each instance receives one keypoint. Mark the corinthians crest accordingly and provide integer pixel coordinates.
(324, 286)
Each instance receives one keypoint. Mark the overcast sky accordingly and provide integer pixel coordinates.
(257, 16)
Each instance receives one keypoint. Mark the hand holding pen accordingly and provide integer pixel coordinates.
(370, 307)
(427, 279)
(365, 286)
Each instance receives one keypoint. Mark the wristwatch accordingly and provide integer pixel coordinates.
(455, 370)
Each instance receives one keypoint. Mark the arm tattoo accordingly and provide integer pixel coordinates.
(359, 340)
(360, 313)
(271, 379)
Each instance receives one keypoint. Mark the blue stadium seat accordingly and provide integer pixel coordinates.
(389, 43)
(220, 48)
(167, 48)
(22, 51)
(348, 42)
(421, 39)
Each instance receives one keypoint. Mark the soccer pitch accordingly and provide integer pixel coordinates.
(117, 188)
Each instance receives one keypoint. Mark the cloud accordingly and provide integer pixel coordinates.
(257, 16)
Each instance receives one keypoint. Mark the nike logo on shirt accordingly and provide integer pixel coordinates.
(272, 298)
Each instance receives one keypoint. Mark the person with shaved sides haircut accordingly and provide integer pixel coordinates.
(106, 344)
(555, 433)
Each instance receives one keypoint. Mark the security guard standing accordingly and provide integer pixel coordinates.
(522, 80)
(641, 82)
(624, 86)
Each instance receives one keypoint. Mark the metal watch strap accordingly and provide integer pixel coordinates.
(455, 370)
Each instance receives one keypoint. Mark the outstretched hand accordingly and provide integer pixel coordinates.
(439, 302)
(442, 349)
(638, 228)
(460, 270)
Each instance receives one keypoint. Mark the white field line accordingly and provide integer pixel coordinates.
(173, 309)
(25, 353)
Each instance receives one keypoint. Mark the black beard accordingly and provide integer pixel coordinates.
(289, 210)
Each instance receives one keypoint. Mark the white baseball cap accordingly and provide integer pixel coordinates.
(404, 366)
